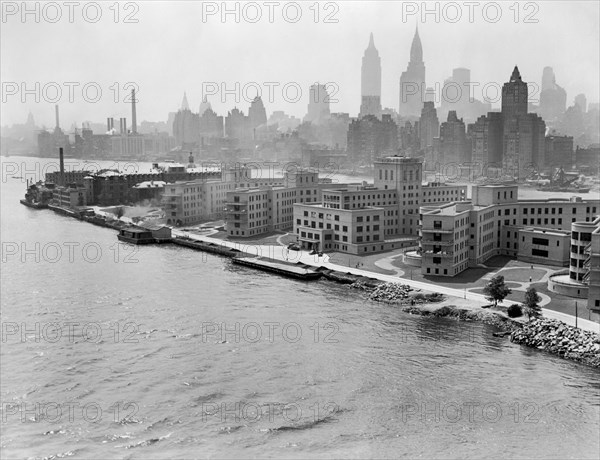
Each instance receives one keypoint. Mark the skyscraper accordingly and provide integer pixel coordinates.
(553, 98)
(318, 104)
(523, 133)
(429, 125)
(184, 103)
(453, 147)
(514, 96)
(370, 103)
(412, 82)
(486, 141)
(204, 106)
(429, 128)
(257, 113)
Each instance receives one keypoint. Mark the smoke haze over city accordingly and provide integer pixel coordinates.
(176, 47)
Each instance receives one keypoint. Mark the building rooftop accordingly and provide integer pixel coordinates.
(551, 231)
(150, 184)
(398, 159)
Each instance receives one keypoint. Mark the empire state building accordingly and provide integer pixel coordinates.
(412, 82)
(370, 103)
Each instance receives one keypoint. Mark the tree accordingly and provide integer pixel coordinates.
(496, 290)
(119, 212)
(532, 300)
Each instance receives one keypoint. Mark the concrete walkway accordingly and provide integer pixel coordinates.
(278, 252)
(387, 264)
(523, 286)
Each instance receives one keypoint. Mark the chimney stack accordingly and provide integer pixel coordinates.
(56, 116)
(133, 115)
(110, 123)
(123, 125)
(62, 165)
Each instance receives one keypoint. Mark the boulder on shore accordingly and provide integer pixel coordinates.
(561, 339)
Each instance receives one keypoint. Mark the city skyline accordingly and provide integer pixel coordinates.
(392, 37)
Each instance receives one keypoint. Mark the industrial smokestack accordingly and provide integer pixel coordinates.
(62, 165)
(123, 126)
(133, 115)
(110, 123)
(56, 116)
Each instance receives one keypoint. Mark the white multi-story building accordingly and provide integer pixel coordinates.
(498, 224)
(250, 212)
(196, 201)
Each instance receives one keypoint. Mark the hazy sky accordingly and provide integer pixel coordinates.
(174, 48)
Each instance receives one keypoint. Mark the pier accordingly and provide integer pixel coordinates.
(280, 268)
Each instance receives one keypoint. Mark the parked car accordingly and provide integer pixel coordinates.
(294, 246)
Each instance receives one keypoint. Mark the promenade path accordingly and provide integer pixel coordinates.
(280, 252)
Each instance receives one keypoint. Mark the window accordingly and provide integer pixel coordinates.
(539, 253)
(437, 260)
(540, 241)
(345, 228)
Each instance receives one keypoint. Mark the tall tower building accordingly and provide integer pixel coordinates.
(370, 103)
(553, 98)
(204, 106)
(257, 113)
(412, 82)
(523, 133)
(486, 140)
(184, 103)
(429, 125)
(453, 146)
(514, 96)
(318, 104)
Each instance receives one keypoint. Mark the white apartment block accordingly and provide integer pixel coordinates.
(191, 202)
(250, 212)
(498, 224)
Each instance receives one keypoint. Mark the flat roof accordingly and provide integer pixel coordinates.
(551, 231)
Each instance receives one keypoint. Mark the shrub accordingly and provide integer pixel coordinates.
(446, 310)
(514, 311)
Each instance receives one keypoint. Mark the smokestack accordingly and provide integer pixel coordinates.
(123, 125)
(133, 117)
(62, 165)
(109, 124)
(56, 116)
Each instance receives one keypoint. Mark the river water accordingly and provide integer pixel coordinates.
(163, 352)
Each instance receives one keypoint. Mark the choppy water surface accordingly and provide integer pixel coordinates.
(167, 352)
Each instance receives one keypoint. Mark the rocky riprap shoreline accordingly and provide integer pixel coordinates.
(560, 339)
(549, 335)
(397, 293)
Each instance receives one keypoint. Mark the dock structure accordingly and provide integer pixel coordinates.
(206, 247)
(280, 268)
(34, 205)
